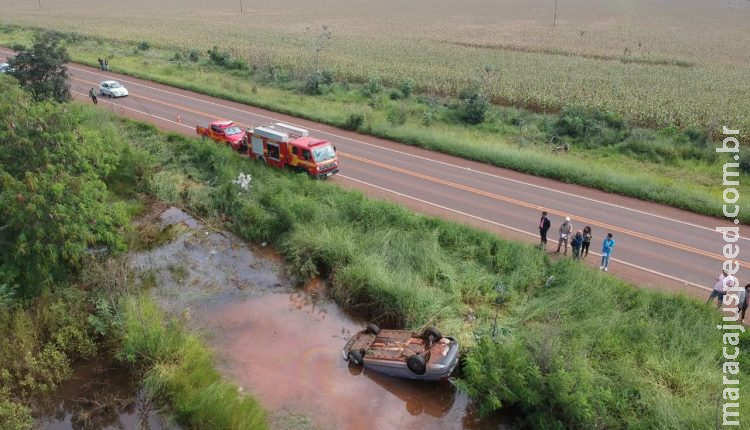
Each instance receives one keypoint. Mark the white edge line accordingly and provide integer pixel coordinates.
(635, 266)
(406, 153)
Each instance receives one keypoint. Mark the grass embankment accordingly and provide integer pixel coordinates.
(59, 166)
(588, 352)
(670, 166)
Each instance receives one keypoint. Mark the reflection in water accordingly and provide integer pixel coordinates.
(97, 397)
(283, 344)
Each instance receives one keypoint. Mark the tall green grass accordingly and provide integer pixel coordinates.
(180, 368)
(588, 352)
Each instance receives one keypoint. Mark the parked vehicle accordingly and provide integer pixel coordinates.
(224, 131)
(404, 354)
(112, 89)
(5, 68)
(279, 145)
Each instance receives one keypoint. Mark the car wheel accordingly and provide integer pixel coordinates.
(431, 332)
(417, 364)
(373, 329)
(355, 357)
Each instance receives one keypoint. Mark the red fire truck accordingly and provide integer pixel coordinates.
(279, 145)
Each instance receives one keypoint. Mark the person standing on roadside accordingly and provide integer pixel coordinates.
(608, 245)
(106, 65)
(576, 244)
(586, 241)
(92, 94)
(101, 63)
(742, 307)
(565, 229)
(718, 290)
(544, 225)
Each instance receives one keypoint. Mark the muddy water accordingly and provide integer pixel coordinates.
(98, 396)
(283, 344)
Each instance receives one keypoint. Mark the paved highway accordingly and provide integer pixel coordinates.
(656, 245)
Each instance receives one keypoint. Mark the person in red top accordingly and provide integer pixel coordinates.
(544, 225)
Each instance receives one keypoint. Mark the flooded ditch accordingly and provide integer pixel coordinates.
(283, 343)
(99, 395)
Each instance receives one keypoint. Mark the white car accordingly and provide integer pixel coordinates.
(4, 67)
(112, 89)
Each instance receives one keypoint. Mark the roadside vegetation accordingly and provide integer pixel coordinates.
(588, 144)
(68, 191)
(587, 351)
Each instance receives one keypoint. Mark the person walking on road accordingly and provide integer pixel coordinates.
(544, 225)
(565, 229)
(608, 245)
(718, 290)
(586, 241)
(92, 94)
(576, 244)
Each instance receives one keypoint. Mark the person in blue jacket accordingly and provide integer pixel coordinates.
(607, 247)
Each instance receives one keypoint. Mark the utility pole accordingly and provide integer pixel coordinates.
(240, 6)
(554, 21)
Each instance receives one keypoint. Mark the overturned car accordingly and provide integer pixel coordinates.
(404, 354)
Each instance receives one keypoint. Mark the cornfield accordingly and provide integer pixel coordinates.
(657, 62)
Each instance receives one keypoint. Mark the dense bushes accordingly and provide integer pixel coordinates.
(53, 200)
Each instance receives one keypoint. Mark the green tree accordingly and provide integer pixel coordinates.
(42, 70)
(54, 205)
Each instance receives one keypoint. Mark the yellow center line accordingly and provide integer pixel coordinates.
(471, 189)
(533, 206)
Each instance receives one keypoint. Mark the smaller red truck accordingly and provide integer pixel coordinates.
(279, 145)
(223, 131)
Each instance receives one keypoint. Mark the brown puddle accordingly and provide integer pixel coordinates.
(283, 344)
(98, 396)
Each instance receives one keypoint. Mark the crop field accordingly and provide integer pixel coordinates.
(662, 62)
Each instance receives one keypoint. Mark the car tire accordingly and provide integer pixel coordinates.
(416, 364)
(373, 329)
(431, 332)
(355, 357)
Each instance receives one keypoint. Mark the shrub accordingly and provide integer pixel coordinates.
(217, 57)
(406, 89)
(372, 87)
(473, 107)
(354, 121)
(194, 55)
(144, 46)
(313, 83)
(394, 95)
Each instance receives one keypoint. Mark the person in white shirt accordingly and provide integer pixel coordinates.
(718, 290)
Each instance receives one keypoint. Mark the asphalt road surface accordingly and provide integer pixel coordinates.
(657, 246)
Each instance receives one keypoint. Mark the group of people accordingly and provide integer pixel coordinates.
(726, 284)
(104, 65)
(579, 242)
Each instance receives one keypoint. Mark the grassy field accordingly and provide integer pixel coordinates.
(658, 63)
